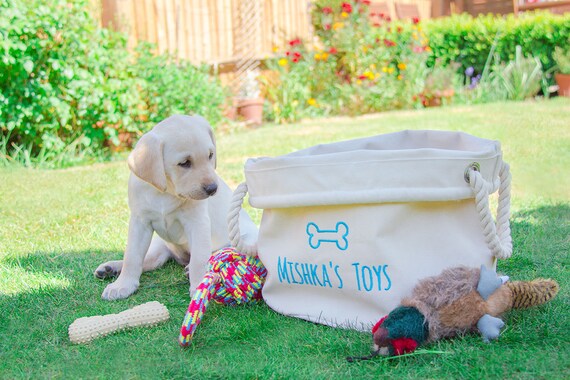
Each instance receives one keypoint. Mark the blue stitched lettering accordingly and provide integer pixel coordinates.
(384, 269)
(282, 270)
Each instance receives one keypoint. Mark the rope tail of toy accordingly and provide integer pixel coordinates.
(232, 278)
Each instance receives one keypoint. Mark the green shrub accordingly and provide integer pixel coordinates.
(64, 82)
(562, 58)
(177, 87)
(69, 89)
(468, 40)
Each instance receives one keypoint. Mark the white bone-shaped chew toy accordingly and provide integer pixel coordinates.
(338, 235)
(85, 329)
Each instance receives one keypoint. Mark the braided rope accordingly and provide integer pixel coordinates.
(232, 278)
(233, 218)
(497, 234)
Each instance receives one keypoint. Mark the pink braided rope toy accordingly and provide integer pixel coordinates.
(232, 278)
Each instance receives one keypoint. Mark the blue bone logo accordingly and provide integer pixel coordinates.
(337, 236)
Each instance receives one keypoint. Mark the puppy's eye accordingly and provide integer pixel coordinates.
(186, 164)
(211, 155)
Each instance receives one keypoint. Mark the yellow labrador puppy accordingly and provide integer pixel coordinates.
(175, 192)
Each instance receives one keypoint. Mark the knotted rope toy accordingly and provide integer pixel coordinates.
(232, 279)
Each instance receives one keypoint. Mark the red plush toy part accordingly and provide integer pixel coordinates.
(400, 346)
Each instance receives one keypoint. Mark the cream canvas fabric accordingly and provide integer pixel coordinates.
(349, 228)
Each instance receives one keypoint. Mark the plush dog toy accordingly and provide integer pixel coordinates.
(457, 301)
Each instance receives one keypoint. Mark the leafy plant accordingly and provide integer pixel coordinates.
(521, 78)
(176, 87)
(440, 84)
(562, 58)
(250, 88)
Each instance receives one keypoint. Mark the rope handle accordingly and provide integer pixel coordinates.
(497, 234)
(233, 218)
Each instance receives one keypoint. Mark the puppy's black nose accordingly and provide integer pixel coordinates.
(210, 189)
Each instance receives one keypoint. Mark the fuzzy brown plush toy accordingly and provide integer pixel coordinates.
(457, 301)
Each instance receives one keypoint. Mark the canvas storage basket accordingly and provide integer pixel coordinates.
(349, 228)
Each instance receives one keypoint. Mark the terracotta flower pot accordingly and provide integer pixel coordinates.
(251, 110)
(563, 82)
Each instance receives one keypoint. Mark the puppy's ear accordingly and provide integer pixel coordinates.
(146, 161)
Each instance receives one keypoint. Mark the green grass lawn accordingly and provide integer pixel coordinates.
(57, 226)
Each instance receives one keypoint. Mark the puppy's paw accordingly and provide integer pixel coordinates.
(109, 269)
(119, 290)
(249, 249)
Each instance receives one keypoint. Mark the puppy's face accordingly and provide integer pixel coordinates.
(178, 156)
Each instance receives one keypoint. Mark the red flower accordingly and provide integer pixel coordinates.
(389, 43)
(416, 20)
(295, 42)
(362, 77)
(288, 53)
(333, 50)
(297, 54)
(346, 7)
(365, 2)
(399, 29)
(327, 10)
(296, 59)
(327, 26)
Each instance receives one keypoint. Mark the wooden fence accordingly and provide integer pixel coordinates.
(208, 31)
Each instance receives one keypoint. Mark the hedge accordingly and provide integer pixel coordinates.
(468, 40)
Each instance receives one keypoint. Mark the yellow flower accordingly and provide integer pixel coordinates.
(384, 69)
(390, 70)
(344, 15)
(402, 66)
(365, 49)
(400, 77)
(373, 66)
(282, 62)
(312, 102)
(275, 49)
(377, 75)
(317, 56)
(338, 25)
(324, 55)
(369, 75)
(359, 82)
